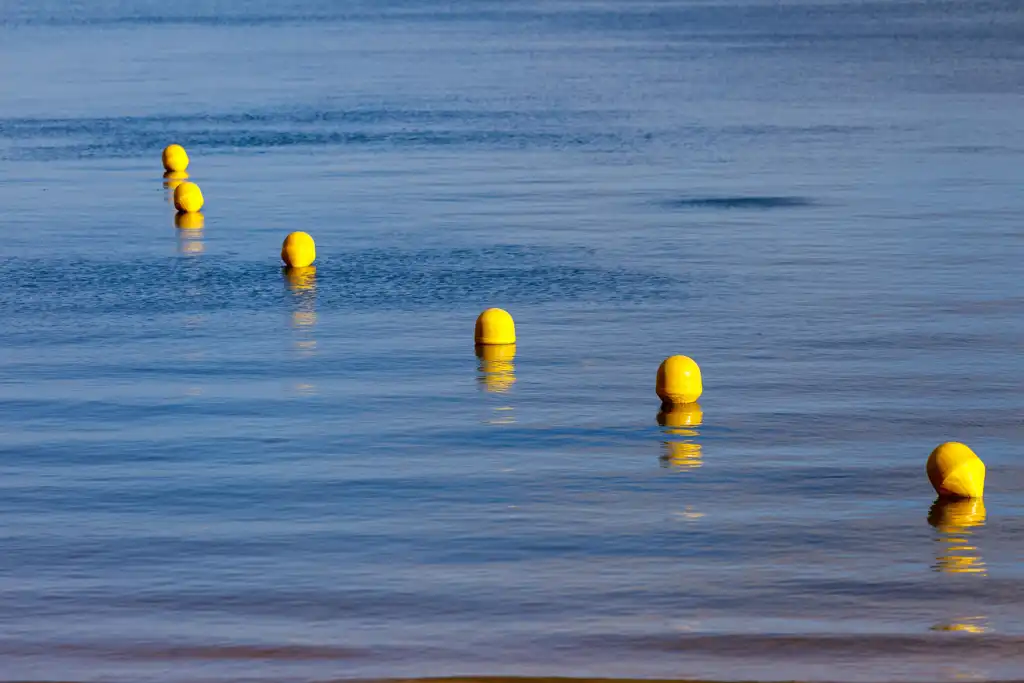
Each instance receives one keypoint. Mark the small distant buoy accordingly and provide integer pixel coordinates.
(678, 381)
(174, 178)
(495, 326)
(188, 197)
(298, 250)
(175, 158)
(189, 221)
(955, 471)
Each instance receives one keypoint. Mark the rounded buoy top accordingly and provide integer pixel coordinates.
(188, 197)
(175, 158)
(495, 326)
(678, 380)
(298, 250)
(189, 221)
(955, 471)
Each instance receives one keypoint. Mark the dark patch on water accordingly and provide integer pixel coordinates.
(740, 202)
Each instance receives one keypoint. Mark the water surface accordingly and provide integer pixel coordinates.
(212, 471)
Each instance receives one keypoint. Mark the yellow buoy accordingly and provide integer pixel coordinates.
(175, 158)
(495, 326)
(678, 380)
(188, 197)
(189, 221)
(298, 250)
(955, 471)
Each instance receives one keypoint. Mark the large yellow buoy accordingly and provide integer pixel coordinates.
(678, 380)
(955, 471)
(188, 197)
(495, 326)
(298, 250)
(175, 158)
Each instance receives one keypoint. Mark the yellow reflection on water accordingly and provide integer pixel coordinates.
(190, 243)
(681, 456)
(300, 279)
(503, 415)
(964, 625)
(189, 221)
(497, 369)
(174, 178)
(679, 423)
(301, 282)
(955, 520)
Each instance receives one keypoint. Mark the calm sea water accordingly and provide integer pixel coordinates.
(210, 472)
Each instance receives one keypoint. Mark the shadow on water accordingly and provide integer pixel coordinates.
(679, 426)
(739, 202)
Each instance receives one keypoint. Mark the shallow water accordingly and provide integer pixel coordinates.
(212, 472)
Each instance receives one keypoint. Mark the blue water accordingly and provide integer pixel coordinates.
(210, 472)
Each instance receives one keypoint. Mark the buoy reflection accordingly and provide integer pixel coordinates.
(174, 178)
(497, 371)
(955, 520)
(300, 279)
(679, 424)
(189, 221)
(301, 282)
(190, 233)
